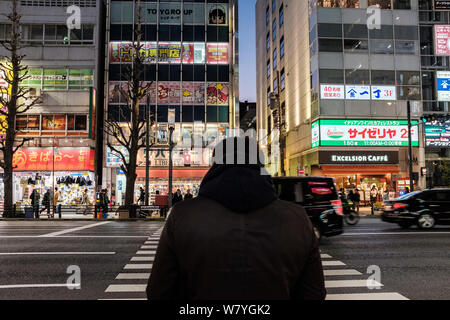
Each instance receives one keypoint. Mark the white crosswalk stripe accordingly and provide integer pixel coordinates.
(350, 284)
(131, 284)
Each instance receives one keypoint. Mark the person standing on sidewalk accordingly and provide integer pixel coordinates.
(46, 203)
(85, 201)
(357, 200)
(55, 201)
(35, 198)
(237, 240)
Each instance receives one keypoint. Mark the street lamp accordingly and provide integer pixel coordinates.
(147, 151)
(171, 122)
(410, 152)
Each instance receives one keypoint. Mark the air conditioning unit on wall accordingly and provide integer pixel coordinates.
(36, 93)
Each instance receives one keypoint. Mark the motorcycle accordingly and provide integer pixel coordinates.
(351, 217)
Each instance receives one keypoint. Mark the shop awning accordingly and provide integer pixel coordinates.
(352, 170)
(177, 173)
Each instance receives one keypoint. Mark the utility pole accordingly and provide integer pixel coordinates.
(171, 122)
(411, 178)
(147, 151)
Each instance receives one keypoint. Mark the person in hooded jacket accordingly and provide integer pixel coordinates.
(237, 240)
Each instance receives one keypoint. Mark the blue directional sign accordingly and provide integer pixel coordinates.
(357, 92)
(443, 85)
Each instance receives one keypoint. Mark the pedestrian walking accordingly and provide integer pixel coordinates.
(357, 200)
(55, 202)
(188, 195)
(46, 203)
(141, 199)
(85, 201)
(35, 198)
(104, 202)
(386, 195)
(177, 197)
(225, 243)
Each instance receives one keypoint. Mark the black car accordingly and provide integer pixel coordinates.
(424, 208)
(320, 199)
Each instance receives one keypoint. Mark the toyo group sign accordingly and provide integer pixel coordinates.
(364, 133)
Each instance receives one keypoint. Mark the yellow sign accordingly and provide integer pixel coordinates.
(5, 90)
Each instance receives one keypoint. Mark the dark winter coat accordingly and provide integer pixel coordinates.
(236, 240)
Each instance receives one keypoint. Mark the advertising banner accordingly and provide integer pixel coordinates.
(53, 122)
(384, 93)
(442, 40)
(113, 158)
(443, 85)
(357, 92)
(193, 93)
(54, 159)
(358, 157)
(217, 53)
(331, 91)
(437, 134)
(117, 92)
(193, 13)
(169, 93)
(194, 53)
(366, 133)
(442, 4)
(218, 14)
(168, 52)
(218, 93)
(315, 134)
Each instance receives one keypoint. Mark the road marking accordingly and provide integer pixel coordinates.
(138, 266)
(154, 239)
(333, 263)
(146, 252)
(126, 288)
(325, 256)
(151, 242)
(149, 247)
(341, 272)
(367, 296)
(84, 236)
(123, 299)
(390, 233)
(75, 229)
(53, 285)
(54, 253)
(143, 259)
(133, 276)
(350, 283)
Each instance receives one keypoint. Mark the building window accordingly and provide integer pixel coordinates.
(274, 29)
(330, 45)
(281, 15)
(268, 96)
(357, 77)
(267, 16)
(268, 68)
(382, 4)
(381, 46)
(275, 85)
(383, 77)
(282, 48)
(331, 76)
(268, 42)
(275, 59)
(274, 5)
(282, 80)
(402, 4)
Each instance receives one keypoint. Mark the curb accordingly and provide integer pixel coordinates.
(67, 219)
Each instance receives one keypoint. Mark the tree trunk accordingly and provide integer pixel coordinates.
(8, 185)
(131, 180)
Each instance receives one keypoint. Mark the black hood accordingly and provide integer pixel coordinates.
(239, 188)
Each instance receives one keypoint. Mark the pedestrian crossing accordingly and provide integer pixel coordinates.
(344, 283)
(131, 283)
(341, 281)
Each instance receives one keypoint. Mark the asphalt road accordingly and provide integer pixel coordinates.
(412, 262)
(115, 259)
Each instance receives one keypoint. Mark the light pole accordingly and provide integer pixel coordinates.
(171, 122)
(410, 153)
(147, 151)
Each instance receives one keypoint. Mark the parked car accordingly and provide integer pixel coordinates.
(424, 208)
(320, 199)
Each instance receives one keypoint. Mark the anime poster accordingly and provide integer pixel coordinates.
(193, 93)
(168, 92)
(217, 93)
(121, 52)
(116, 90)
(188, 53)
(218, 14)
(217, 53)
(194, 53)
(169, 52)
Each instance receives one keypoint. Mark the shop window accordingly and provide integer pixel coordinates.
(330, 45)
(168, 72)
(355, 31)
(383, 77)
(331, 76)
(77, 122)
(217, 73)
(199, 113)
(357, 77)
(28, 123)
(115, 32)
(188, 114)
(408, 93)
(114, 72)
(211, 113)
(330, 30)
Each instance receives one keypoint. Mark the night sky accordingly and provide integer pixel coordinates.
(247, 50)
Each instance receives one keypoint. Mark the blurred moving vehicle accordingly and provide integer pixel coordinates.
(351, 217)
(320, 199)
(425, 208)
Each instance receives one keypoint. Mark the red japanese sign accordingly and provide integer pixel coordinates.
(217, 53)
(442, 40)
(63, 159)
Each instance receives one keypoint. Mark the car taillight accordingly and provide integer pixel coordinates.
(337, 205)
(400, 205)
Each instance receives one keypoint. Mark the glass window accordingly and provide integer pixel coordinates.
(199, 113)
(408, 77)
(381, 46)
(357, 77)
(330, 45)
(50, 32)
(331, 76)
(406, 47)
(267, 16)
(275, 84)
(274, 29)
(385, 32)
(408, 93)
(281, 15)
(406, 32)
(382, 4)
(330, 30)
(274, 5)
(356, 45)
(188, 114)
(402, 4)
(275, 59)
(268, 42)
(282, 80)
(282, 48)
(383, 77)
(268, 69)
(211, 113)
(62, 34)
(355, 31)
(37, 32)
(223, 114)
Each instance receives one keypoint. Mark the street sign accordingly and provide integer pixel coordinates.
(384, 93)
(357, 92)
